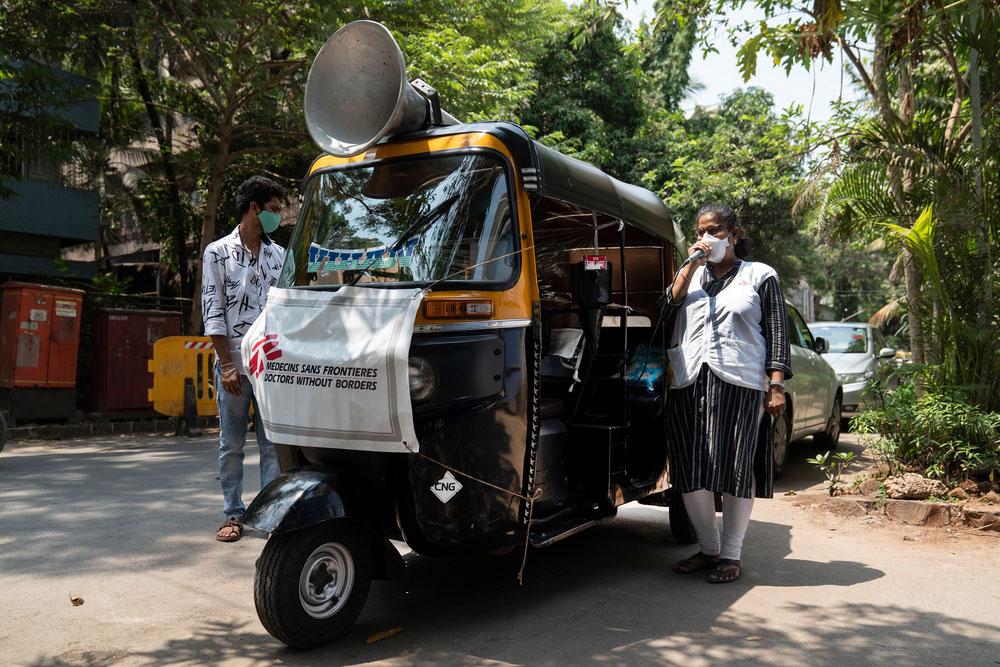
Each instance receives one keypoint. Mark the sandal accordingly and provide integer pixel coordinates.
(727, 570)
(230, 531)
(696, 563)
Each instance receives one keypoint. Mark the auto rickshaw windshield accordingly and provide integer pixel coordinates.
(415, 220)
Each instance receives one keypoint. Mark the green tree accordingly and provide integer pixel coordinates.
(665, 45)
(238, 70)
(589, 101)
(926, 138)
(479, 54)
(743, 154)
(33, 92)
(855, 277)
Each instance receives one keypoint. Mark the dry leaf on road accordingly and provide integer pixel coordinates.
(383, 634)
(75, 600)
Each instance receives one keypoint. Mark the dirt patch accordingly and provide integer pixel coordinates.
(971, 516)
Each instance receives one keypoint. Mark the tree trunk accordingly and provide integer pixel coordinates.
(913, 309)
(919, 343)
(984, 248)
(216, 180)
(898, 181)
(178, 231)
(879, 81)
(936, 339)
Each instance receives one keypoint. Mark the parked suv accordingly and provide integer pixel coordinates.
(858, 353)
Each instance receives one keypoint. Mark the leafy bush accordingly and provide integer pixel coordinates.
(941, 433)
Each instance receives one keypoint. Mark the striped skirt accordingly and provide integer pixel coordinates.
(720, 438)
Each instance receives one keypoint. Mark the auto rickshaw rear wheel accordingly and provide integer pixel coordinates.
(312, 583)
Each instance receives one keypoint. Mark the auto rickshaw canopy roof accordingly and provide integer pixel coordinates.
(549, 173)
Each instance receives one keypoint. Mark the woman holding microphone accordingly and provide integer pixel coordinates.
(729, 359)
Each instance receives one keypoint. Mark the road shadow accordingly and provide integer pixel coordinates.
(111, 503)
(605, 596)
(470, 610)
(841, 634)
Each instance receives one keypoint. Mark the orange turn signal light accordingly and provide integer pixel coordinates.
(452, 309)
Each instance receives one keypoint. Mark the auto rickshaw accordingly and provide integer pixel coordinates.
(532, 360)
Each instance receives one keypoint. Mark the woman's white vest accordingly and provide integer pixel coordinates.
(723, 331)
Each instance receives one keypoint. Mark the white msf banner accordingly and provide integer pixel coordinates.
(331, 369)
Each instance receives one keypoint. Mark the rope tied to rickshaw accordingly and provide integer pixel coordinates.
(529, 500)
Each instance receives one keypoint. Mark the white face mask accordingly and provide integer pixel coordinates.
(718, 247)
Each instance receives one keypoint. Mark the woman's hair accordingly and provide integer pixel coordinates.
(727, 216)
(721, 212)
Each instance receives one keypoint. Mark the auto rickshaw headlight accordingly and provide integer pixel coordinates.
(423, 379)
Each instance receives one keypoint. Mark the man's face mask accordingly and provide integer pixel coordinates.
(718, 247)
(269, 220)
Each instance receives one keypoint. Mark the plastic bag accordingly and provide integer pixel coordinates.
(648, 368)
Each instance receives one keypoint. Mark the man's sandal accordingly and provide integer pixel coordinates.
(696, 563)
(230, 531)
(727, 570)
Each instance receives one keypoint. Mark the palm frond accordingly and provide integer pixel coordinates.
(858, 200)
(890, 312)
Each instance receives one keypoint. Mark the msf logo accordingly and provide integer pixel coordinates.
(446, 487)
(265, 349)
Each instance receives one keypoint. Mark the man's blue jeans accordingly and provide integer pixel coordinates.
(234, 412)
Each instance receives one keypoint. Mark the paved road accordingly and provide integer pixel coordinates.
(127, 524)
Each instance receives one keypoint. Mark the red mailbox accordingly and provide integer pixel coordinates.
(123, 346)
(39, 342)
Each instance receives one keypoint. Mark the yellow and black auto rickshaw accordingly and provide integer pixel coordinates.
(531, 398)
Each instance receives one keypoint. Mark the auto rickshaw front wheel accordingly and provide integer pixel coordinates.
(312, 583)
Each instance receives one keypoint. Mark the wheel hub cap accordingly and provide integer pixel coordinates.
(326, 580)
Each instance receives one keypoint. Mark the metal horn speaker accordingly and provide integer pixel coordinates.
(357, 91)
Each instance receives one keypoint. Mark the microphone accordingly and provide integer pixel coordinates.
(698, 254)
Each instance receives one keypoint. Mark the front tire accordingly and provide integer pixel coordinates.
(780, 433)
(3, 432)
(311, 584)
(829, 438)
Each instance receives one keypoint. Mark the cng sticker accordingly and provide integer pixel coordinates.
(446, 487)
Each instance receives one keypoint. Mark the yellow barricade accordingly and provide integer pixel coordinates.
(175, 359)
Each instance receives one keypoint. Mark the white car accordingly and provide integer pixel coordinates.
(858, 353)
(813, 396)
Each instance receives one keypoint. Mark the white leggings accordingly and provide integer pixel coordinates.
(700, 507)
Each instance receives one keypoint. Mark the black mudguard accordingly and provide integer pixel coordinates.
(295, 500)
(304, 498)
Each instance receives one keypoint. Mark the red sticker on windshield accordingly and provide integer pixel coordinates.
(595, 262)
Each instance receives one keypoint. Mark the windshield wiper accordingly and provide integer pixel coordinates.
(417, 225)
